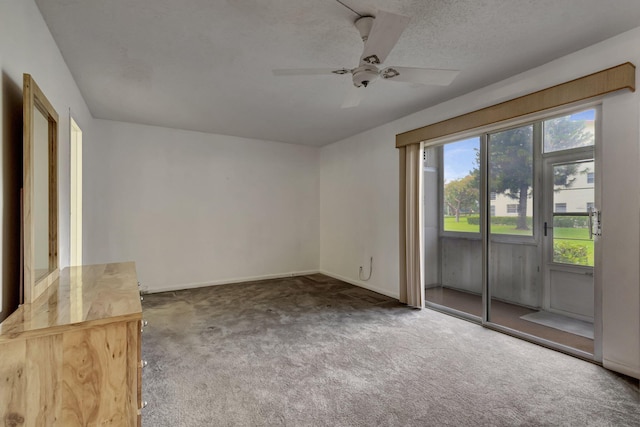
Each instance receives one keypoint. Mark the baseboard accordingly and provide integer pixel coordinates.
(361, 284)
(183, 286)
(622, 368)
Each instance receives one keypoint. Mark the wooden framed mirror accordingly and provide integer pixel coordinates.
(40, 191)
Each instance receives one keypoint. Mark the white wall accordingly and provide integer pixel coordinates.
(193, 208)
(359, 210)
(359, 192)
(621, 229)
(26, 46)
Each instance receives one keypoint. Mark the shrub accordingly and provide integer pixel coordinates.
(473, 220)
(571, 222)
(570, 253)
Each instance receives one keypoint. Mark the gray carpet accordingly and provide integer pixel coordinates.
(560, 322)
(314, 351)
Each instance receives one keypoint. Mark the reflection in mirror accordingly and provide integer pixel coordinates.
(40, 191)
(40, 211)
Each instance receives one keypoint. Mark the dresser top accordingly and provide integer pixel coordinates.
(81, 296)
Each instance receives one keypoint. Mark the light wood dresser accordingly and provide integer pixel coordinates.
(72, 357)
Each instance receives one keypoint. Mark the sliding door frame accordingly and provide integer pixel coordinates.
(538, 220)
(428, 304)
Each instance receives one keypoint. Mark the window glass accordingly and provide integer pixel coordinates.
(572, 131)
(461, 186)
(571, 241)
(572, 195)
(511, 178)
(572, 190)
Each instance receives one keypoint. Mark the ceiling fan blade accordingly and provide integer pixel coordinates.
(385, 33)
(424, 76)
(310, 71)
(353, 97)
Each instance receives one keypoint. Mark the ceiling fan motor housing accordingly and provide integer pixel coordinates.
(364, 75)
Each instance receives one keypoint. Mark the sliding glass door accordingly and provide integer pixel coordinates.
(453, 243)
(510, 220)
(514, 279)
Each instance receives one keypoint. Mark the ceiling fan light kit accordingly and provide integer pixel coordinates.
(379, 34)
(365, 74)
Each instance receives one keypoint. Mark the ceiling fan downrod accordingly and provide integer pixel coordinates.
(364, 25)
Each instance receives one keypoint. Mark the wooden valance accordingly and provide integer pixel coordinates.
(610, 80)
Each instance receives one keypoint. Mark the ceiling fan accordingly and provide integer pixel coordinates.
(379, 34)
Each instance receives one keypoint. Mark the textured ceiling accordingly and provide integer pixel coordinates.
(205, 65)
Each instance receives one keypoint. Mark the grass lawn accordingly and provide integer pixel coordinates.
(450, 224)
(573, 236)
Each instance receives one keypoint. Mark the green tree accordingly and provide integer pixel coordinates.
(563, 133)
(511, 167)
(461, 195)
(511, 159)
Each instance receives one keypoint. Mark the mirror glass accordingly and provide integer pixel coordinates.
(40, 210)
(40, 192)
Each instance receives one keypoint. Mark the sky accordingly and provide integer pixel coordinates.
(584, 115)
(460, 158)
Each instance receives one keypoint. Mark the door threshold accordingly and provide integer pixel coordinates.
(514, 333)
(453, 312)
(543, 342)
(561, 323)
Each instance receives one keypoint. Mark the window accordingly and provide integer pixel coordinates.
(510, 175)
(461, 186)
(571, 202)
(572, 131)
(560, 207)
(510, 169)
(512, 209)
